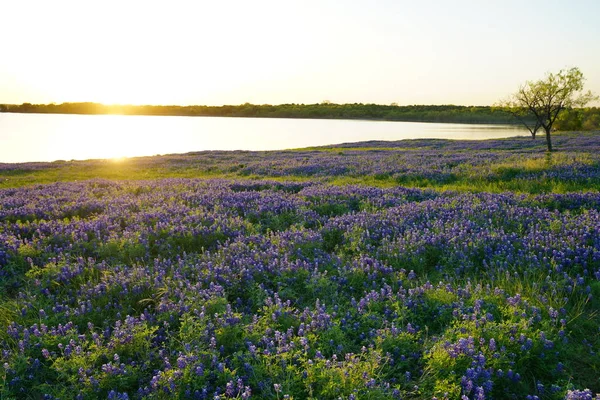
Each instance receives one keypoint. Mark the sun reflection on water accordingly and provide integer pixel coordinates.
(43, 137)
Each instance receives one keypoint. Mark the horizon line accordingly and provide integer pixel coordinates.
(324, 102)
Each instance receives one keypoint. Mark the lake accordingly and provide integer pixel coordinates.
(50, 137)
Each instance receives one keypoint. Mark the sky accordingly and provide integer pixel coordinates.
(468, 52)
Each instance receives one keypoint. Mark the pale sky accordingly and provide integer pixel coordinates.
(470, 52)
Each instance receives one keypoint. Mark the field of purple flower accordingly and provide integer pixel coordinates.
(290, 287)
(516, 164)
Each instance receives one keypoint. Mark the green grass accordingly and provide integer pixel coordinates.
(107, 170)
(519, 168)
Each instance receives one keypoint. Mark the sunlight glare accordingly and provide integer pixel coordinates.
(113, 137)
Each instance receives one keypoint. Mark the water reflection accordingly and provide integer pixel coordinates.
(49, 137)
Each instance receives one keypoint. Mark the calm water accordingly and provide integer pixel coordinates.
(49, 137)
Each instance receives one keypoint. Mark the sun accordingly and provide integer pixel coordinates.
(118, 159)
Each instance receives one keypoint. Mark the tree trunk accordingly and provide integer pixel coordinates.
(548, 140)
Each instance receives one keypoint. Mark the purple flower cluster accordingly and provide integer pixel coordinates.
(237, 289)
(408, 162)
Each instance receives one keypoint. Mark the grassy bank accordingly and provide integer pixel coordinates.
(572, 119)
(326, 110)
(514, 164)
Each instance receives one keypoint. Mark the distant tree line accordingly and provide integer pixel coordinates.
(588, 118)
(575, 119)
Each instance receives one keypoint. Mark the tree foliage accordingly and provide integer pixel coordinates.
(326, 110)
(538, 104)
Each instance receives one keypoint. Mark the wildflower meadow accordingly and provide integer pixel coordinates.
(385, 270)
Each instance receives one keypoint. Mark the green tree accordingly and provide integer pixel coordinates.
(591, 119)
(545, 99)
(521, 114)
(570, 120)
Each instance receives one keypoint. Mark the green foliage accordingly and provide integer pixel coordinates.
(504, 113)
(546, 99)
(424, 113)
